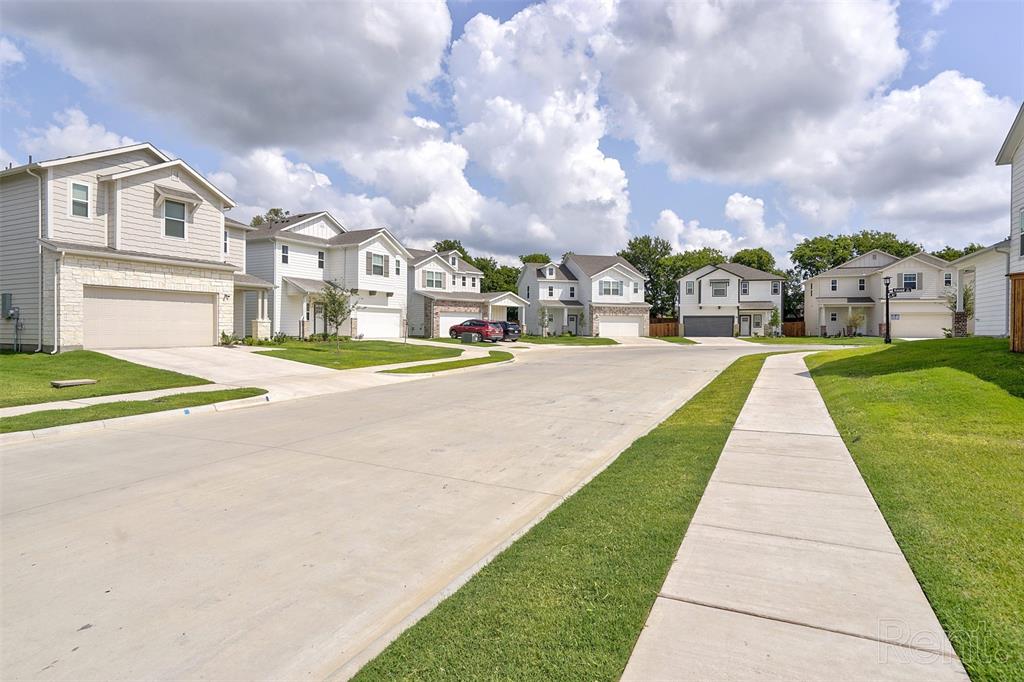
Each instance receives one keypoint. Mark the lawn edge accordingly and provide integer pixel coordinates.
(454, 370)
(381, 642)
(16, 437)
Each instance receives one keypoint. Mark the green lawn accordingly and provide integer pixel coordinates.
(27, 377)
(817, 340)
(682, 340)
(47, 418)
(458, 342)
(937, 430)
(493, 356)
(567, 601)
(570, 340)
(358, 353)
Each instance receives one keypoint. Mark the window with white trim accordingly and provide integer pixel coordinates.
(611, 287)
(551, 272)
(757, 321)
(551, 292)
(572, 292)
(455, 259)
(398, 266)
(861, 284)
(833, 317)
(225, 241)
(776, 288)
(719, 288)
(947, 279)
(689, 288)
(894, 316)
(636, 287)
(472, 282)
(376, 263)
(835, 285)
(79, 200)
(305, 306)
(435, 280)
(174, 219)
(527, 291)
(744, 288)
(910, 281)
(320, 258)
(463, 280)
(284, 253)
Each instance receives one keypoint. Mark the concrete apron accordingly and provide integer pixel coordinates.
(788, 570)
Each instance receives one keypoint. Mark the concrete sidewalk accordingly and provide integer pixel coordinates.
(788, 570)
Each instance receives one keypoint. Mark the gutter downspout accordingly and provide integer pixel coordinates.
(39, 216)
(1006, 316)
(57, 261)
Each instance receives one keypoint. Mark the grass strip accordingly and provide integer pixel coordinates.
(47, 418)
(354, 354)
(567, 601)
(27, 377)
(570, 340)
(681, 340)
(458, 342)
(937, 430)
(817, 340)
(493, 356)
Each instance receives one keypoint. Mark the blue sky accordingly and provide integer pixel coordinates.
(979, 40)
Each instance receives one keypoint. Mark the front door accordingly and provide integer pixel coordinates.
(572, 325)
(744, 325)
(318, 314)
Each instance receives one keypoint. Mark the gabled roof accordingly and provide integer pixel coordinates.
(357, 237)
(231, 222)
(562, 274)
(747, 272)
(844, 270)
(462, 264)
(418, 256)
(923, 256)
(86, 157)
(1013, 140)
(963, 259)
(176, 163)
(595, 265)
(273, 229)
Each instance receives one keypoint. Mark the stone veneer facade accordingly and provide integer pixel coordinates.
(597, 311)
(77, 272)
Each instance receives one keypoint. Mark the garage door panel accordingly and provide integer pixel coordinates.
(147, 318)
(625, 325)
(379, 324)
(448, 320)
(921, 325)
(708, 325)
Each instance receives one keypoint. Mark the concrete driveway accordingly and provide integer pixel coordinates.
(293, 540)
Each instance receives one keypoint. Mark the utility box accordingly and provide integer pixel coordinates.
(7, 305)
(470, 337)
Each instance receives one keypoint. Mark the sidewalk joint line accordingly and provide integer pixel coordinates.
(788, 433)
(789, 487)
(798, 539)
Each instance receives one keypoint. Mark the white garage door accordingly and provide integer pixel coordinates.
(147, 318)
(379, 324)
(449, 319)
(921, 325)
(619, 326)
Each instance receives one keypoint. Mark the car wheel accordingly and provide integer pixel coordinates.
(475, 338)
(454, 335)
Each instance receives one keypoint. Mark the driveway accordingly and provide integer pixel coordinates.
(293, 540)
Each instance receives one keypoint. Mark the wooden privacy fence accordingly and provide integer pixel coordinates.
(794, 328)
(664, 329)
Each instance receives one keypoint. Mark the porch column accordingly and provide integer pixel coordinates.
(959, 291)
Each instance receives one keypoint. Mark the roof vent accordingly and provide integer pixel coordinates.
(874, 256)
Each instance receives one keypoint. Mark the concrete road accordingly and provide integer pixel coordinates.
(293, 540)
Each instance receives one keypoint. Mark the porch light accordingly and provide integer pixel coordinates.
(887, 281)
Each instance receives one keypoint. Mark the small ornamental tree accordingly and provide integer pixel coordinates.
(544, 316)
(774, 321)
(968, 300)
(855, 320)
(336, 303)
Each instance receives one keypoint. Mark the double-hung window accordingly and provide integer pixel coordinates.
(320, 258)
(776, 288)
(225, 241)
(472, 282)
(435, 280)
(636, 287)
(757, 320)
(947, 279)
(551, 292)
(174, 219)
(551, 272)
(719, 288)
(861, 284)
(611, 288)
(377, 264)
(744, 288)
(835, 285)
(463, 280)
(284, 253)
(572, 292)
(689, 288)
(398, 266)
(910, 281)
(833, 317)
(79, 200)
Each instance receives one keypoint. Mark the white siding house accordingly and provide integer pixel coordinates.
(728, 299)
(985, 271)
(1012, 154)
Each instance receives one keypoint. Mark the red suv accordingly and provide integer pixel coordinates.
(488, 331)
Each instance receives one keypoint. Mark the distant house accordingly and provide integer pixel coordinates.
(834, 299)
(985, 271)
(728, 299)
(1012, 154)
(585, 295)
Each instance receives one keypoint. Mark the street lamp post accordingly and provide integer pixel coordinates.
(889, 293)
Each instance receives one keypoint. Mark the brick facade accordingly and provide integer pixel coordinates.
(77, 272)
(599, 311)
(959, 324)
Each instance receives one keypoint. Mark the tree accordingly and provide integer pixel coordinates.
(759, 259)
(445, 245)
(967, 297)
(495, 277)
(544, 319)
(271, 216)
(815, 255)
(952, 253)
(855, 320)
(774, 321)
(336, 303)
(869, 240)
(792, 295)
(646, 253)
(535, 258)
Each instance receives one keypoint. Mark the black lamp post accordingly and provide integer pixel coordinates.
(889, 293)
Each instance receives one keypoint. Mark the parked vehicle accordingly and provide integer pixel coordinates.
(488, 331)
(511, 331)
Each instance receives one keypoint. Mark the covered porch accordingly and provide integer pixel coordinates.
(845, 316)
(754, 317)
(300, 299)
(505, 306)
(251, 308)
(562, 317)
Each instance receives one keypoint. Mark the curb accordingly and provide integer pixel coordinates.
(446, 372)
(19, 437)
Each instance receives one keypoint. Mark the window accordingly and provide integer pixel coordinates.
(435, 280)
(472, 281)
(834, 317)
(572, 292)
(720, 288)
(776, 288)
(861, 284)
(1022, 232)
(689, 288)
(894, 316)
(910, 281)
(527, 291)
(79, 200)
(225, 241)
(947, 279)
(812, 289)
(463, 280)
(551, 292)
(551, 272)
(305, 311)
(376, 264)
(284, 253)
(398, 267)
(174, 219)
(636, 287)
(455, 259)
(320, 256)
(744, 288)
(757, 320)
(835, 285)
(610, 288)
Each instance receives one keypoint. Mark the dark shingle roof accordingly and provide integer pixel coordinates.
(591, 265)
(354, 237)
(562, 273)
(747, 272)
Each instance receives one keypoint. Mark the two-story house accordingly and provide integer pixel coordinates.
(1012, 154)
(984, 271)
(301, 252)
(585, 295)
(850, 298)
(445, 290)
(728, 299)
(118, 248)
